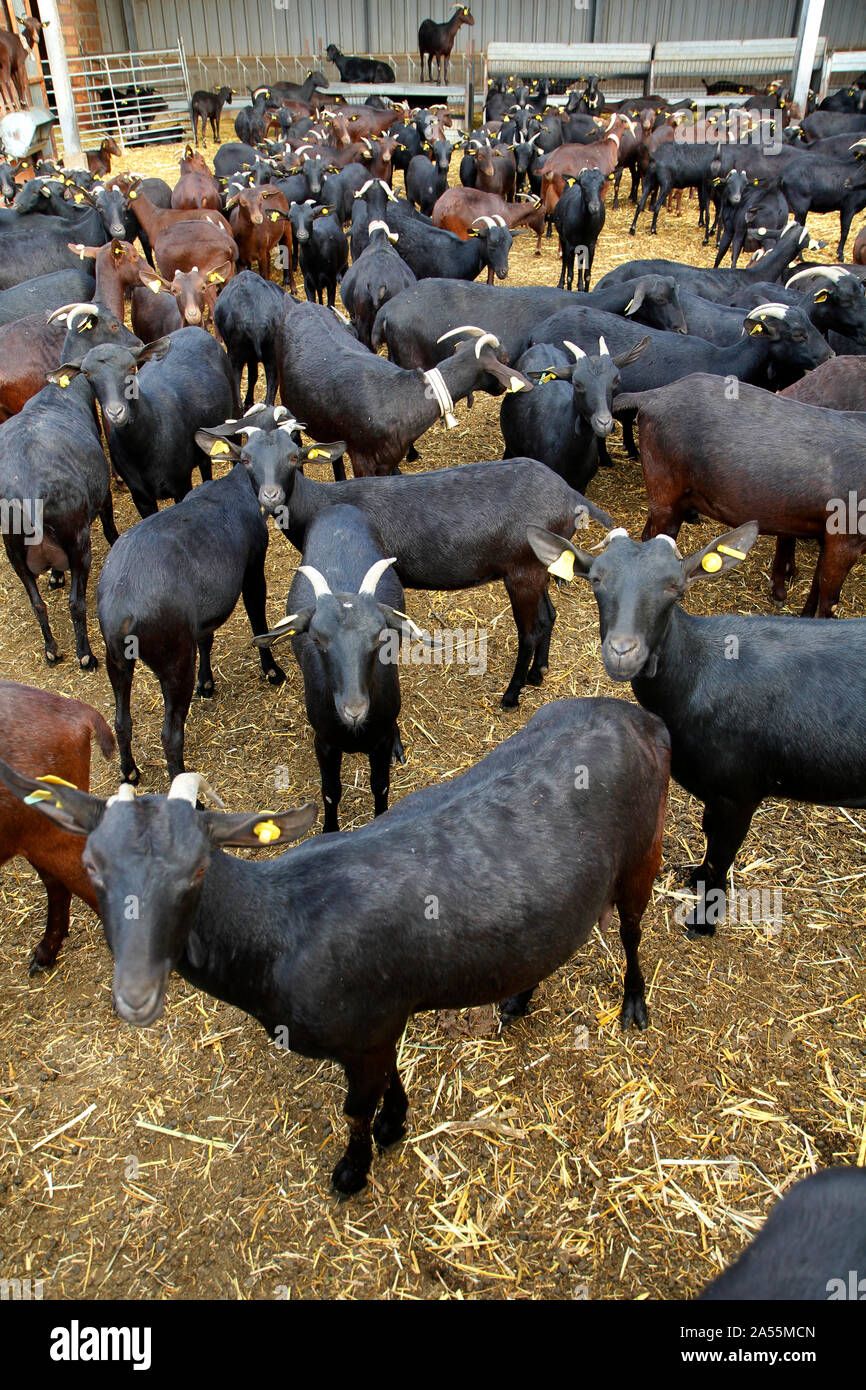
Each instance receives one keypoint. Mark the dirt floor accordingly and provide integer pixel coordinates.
(557, 1159)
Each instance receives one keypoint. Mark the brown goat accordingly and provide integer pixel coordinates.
(196, 187)
(160, 306)
(40, 733)
(459, 209)
(567, 161)
(99, 161)
(186, 244)
(260, 222)
(14, 51)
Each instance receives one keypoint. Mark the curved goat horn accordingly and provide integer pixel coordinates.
(374, 574)
(66, 309)
(575, 351)
(187, 785)
(318, 581)
(464, 328)
(602, 348)
(484, 340)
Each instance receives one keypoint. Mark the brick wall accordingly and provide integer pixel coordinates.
(80, 24)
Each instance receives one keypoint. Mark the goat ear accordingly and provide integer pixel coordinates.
(74, 810)
(155, 351)
(624, 358)
(261, 829)
(402, 623)
(216, 445)
(62, 375)
(288, 627)
(512, 379)
(561, 557)
(323, 453)
(720, 555)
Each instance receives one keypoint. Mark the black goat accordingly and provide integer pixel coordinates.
(716, 284)
(323, 250)
(564, 423)
(437, 40)
(208, 106)
(54, 482)
(811, 1247)
(44, 293)
(778, 345)
(427, 177)
(431, 252)
(579, 219)
(450, 529)
(165, 588)
(375, 277)
(413, 323)
(247, 316)
(834, 299)
(330, 946)
(674, 165)
(725, 750)
(386, 408)
(153, 410)
(336, 622)
(826, 185)
(358, 69)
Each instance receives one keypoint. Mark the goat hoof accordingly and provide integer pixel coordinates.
(698, 931)
(37, 964)
(632, 231)
(276, 675)
(634, 1011)
(347, 1178)
(134, 777)
(56, 581)
(510, 701)
(512, 1009)
(52, 657)
(205, 690)
(387, 1132)
(536, 677)
(88, 662)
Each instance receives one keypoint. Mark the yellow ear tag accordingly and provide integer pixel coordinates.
(563, 568)
(36, 796)
(515, 384)
(712, 563)
(219, 446)
(756, 328)
(266, 831)
(57, 781)
(215, 279)
(821, 296)
(275, 217)
(154, 285)
(318, 454)
(729, 550)
(548, 376)
(63, 380)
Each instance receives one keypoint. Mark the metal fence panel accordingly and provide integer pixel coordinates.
(157, 106)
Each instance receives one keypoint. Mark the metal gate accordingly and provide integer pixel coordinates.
(137, 98)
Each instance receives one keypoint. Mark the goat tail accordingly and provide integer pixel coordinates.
(102, 733)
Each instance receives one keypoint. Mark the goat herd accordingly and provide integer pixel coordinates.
(747, 388)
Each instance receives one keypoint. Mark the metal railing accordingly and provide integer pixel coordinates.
(137, 98)
(245, 72)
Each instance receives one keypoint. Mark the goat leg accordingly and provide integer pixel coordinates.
(367, 1076)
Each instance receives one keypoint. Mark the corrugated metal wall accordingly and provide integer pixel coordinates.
(259, 27)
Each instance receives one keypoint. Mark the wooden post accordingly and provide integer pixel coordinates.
(73, 155)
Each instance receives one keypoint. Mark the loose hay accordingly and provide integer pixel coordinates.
(554, 1159)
